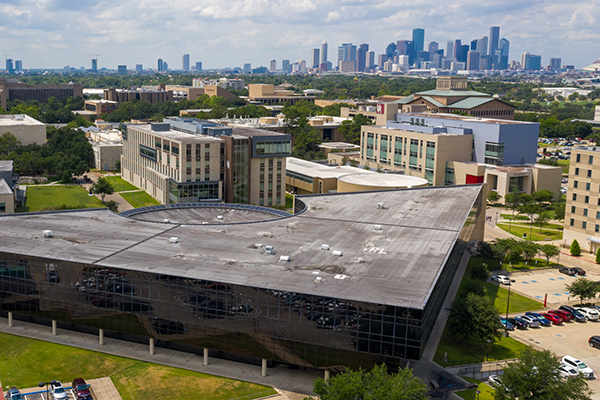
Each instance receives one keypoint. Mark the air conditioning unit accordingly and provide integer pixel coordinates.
(381, 205)
(324, 247)
(337, 253)
(219, 217)
(48, 233)
(269, 250)
(284, 258)
(174, 240)
(377, 227)
(318, 279)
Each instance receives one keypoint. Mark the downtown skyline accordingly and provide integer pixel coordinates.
(55, 33)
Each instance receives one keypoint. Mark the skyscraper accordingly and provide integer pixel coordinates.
(160, 65)
(185, 64)
(198, 66)
(273, 66)
(389, 52)
(494, 41)
(94, 64)
(361, 57)
(406, 48)
(247, 68)
(122, 69)
(324, 52)
(482, 46)
(370, 62)
(432, 48)
(457, 50)
(418, 38)
(450, 49)
(139, 68)
(555, 63)
(346, 52)
(285, 66)
(19, 65)
(504, 48)
(473, 60)
(9, 66)
(314, 58)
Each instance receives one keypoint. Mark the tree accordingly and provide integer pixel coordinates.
(549, 250)
(575, 248)
(118, 165)
(513, 201)
(543, 196)
(512, 248)
(371, 385)
(529, 249)
(475, 318)
(494, 196)
(480, 272)
(352, 129)
(103, 187)
(542, 219)
(598, 256)
(8, 143)
(583, 288)
(559, 210)
(535, 376)
(112, 206)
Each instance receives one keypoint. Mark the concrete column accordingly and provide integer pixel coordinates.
(53, 327)
(151, 346)
(101, 337)
(327, 376)
(10, 319)
(205, 361)
(264, 367)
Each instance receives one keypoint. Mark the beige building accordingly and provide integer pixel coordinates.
(582, 215)
(380, 113)
(107, 146)
(263, 93)
(11, 89)
(9, 190)
(26, 129)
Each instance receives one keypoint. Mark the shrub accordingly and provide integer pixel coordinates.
(575, 248)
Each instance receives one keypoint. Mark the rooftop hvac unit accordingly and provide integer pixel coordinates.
(378, 227)
(337, 253)
(174, 240)
(166, 221)
(47, 233)
(269, 250)
(318, 279)
(324, 247)
(284, 258)
(381, 205)
(257, 245)
(219, 217)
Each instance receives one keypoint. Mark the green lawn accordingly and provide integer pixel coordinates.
(120, 184)
(139, 199)
(486, 392)
(54, 197)
(535, 232)
(517, 216)
(25, 362)
(565, 165)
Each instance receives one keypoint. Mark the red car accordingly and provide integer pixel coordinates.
(81, 389)
(555, 319)
(564, 315)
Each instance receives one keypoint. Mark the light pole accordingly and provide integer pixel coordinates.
(511, 281)
(41, 384)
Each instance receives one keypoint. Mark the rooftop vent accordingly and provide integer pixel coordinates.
(257, 245)
(166, 220)
(337, 253)
(381, 205)
(219, 217)
(324, 247)
(47, 233)
(377, 227)
(340, 276)
(284, 258)
(318, 279)
(269, 250)
(174, 240)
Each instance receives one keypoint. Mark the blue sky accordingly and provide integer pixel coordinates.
(55, 33)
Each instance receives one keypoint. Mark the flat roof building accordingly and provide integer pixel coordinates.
(352, 279)
(12, 89)
(27, 130)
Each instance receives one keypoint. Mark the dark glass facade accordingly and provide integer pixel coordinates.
(192, 192)
(240, 322)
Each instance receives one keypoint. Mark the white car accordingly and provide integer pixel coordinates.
(503, 279)
(567, 371)
(494, 381)
(579, 366)
(58, 391)
(590, 313)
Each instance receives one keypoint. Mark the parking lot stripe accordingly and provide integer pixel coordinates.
(557, 294)
(551, 279)
(532, 281)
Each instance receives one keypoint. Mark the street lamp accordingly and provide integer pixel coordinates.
(41, 384)
(478, 391)
(511, 281)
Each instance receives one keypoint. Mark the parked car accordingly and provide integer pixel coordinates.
(506, 324)
(14, 394)
(589, 313)
(577, 316)
(554, 318)
(543, 320)
(579, 365)
(531, 321)
(503, 279)
(566, 316)
(566, 370)
(58, 391)
(81, 389)
(494, 381)
(594, 341)
(567, 271)
(579, 271)
(519, 323)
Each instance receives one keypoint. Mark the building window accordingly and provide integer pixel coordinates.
(587, 200)
(576, 171)
(584, 225)
(587, 186)
(572, 209)
(591, 160)
(578, 157)
(597, 228)
(585, 212)
(2, 207)
(515, 184)
(572, 222)
(575, 184)
(589, 173)
(574, 196)
(494, 153)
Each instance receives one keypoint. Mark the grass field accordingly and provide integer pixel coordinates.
(119, 184)
(139, 199)
(494, 265)
(25, 362)
(55, 196)
(517, 216)
(535, 232)
(486, 392)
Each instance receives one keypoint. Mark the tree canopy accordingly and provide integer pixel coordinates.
(583, 288)
(103, 187)
(474, 318)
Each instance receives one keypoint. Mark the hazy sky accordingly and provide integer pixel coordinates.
(220, 33)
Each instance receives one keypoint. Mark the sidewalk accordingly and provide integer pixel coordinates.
(291, 384)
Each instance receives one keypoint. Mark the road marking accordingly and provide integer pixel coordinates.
(557, 294)
(532, 281)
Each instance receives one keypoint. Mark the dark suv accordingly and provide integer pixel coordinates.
(594, 341)
(577, 316)
(568, 271)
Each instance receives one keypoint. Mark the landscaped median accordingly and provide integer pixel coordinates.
(25, 362)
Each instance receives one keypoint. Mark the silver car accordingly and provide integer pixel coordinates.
(532, 322)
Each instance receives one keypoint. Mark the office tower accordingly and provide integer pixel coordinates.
(436, 59)
(418, 38)
(19, 65)
(273, 67)
(160, 65)
(165, 66)
(315, 57)
(361, 57)
(473, 45)
(324, 52)
(346, 52)
(285, 66)
(473, 60)
(381, 59)
(198, 65)
(432, 48)
(457, 49)
(9, 66)
(533, 62)
(523, 60)
(94, 64)
(482, 46)
(122, 69)
(370, 61)
(450, 49)
(389, 52)
(504, 48)
(138, 68)
(555, 63)
(247, 68)
(185, 63)
(494, 42)
(406, 47)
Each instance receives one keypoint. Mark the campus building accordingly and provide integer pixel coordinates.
(27, 130)
(353, 279)
(263, 93)
(93, 109)
(582, 214)
(11, 89)
(11, 196)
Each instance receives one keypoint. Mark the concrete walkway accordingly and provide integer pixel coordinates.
(293, 384)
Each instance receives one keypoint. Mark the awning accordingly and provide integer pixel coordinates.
(594, 240)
